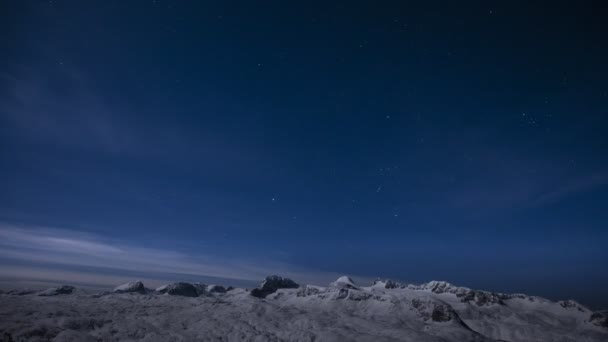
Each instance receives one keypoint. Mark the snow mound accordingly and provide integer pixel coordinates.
(271, 284)
(134, 286)
(54, 291)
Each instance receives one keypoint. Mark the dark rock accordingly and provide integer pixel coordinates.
(358, 295)
(308, 291)
(342, 294)
(179, 289)
(216, 289)
(201, 289)
(599, 318)
(6, 337)
(389, 284)
(442, 313)
(481, 298)
(271, 284)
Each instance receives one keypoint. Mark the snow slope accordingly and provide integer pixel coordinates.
(342, 311)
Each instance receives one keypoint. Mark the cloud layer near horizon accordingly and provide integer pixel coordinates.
(42, 253)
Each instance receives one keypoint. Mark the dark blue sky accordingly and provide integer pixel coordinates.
(458, 142)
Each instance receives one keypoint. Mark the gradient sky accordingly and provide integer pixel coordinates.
(465, 143)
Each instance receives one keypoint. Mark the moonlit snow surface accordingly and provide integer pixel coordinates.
(343, 311)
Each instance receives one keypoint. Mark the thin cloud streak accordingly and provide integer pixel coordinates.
(48, 246)
(45, 276)
(571, 188)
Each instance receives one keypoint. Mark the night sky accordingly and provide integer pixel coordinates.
(462, 142)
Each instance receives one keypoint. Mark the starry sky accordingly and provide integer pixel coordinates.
(461, 142)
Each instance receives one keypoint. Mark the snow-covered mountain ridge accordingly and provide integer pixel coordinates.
(281, 310)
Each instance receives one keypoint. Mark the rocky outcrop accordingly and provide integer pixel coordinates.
(443, 313)
(271, 284)
(180, 289)
(309, 290)
(599, 318)
(572, 305)
(353, 294)
(466, 295)
(6, 337)
(389, 284)
(216, 289)
(481, 298)
(201, 289)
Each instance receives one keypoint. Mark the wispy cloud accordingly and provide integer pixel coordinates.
(506, 183)
(37, 276)
(60, 248)
(56, 103)
(570, 188)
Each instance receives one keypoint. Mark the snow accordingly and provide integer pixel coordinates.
(162, 288)
(135, 286)
(344, 282)
(436, 311)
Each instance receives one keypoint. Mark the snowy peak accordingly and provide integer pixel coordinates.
(344, 282)
(443, 287)
(135, 286)
(388, 284)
